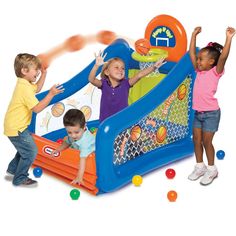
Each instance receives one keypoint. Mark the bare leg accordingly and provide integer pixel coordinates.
(198, 144)
(208, 146)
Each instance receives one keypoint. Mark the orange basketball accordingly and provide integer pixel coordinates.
(106, 37)
(58, 109)
(45, 61)
(135, 133)
(75, 43)
(142, 46)
(161, 134)
(182, 90)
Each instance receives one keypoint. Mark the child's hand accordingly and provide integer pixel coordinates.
(230, 32)
(197, 30)
(54, 153)
(159, 63)
(43, 71)
(100, 58)
(56, 89)
(78, 181)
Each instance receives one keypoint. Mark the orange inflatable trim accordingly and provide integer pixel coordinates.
(65, 166)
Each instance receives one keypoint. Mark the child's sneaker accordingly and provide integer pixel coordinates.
(209, 176)
(29, 182)
(9, 173)
(199, 170)
(9, 176)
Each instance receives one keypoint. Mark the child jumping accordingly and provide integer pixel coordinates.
(79, 137)
(113, 84)
(19, 113)
(209, 65)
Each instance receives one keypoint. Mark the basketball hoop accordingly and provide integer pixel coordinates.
(145, 61)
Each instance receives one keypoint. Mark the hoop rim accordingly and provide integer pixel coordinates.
(156, 54)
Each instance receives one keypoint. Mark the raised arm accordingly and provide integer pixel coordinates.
(146, 71)
(192, 46)
(41, 80)
(92, 75)
(46, 100)
(230, 32)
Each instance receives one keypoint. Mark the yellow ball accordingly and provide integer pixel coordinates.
(137, 180)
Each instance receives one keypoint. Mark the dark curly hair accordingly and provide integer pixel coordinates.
(214, 51)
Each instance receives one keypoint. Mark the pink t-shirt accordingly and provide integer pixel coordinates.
(205, 87)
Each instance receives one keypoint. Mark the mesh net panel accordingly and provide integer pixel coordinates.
(144, 65)
(168, 123)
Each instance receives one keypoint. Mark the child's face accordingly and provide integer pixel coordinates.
(116, 70)
(75, 132)
(204, 61)
(31, 73)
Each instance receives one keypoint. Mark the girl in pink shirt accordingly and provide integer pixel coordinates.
(209, 65)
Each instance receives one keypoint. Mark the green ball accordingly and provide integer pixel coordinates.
(74, 194)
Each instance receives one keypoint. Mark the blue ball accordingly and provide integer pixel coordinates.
(37, 172)
(220, 154)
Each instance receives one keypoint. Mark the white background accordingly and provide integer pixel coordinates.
(37, 26)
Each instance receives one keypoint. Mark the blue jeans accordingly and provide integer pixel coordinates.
(26, 153)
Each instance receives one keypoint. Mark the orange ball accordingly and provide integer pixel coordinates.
(45, 61)
(58, 109)
(172, 196)
(135, 133)
(142, 46)
(106, 37)
(182, 90)
(161, 134)
(75, 43)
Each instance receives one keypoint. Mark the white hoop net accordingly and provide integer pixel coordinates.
(144, 65)
(146, 61)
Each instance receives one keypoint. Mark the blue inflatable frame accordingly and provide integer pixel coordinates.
(112, 177)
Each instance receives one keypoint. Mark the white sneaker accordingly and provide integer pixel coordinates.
(197, 172)
(209, 176)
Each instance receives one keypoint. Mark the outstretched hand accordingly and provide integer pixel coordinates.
(56, 89)
(54, 153)
(100, 58)
(159, 63)
(197, 30)
(230, 32)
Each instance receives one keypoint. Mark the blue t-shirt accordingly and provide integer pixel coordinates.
(113, 100)
(86, 144)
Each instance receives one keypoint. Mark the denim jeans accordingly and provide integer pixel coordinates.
(26, 153)
(208, 121)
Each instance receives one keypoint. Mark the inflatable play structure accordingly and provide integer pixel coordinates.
(153, 131)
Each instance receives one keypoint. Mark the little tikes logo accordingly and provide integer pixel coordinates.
(48, 150)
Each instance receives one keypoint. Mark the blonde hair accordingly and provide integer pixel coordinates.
(25, 60)
(107, 64)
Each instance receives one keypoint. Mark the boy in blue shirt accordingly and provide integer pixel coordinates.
(79, 137)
